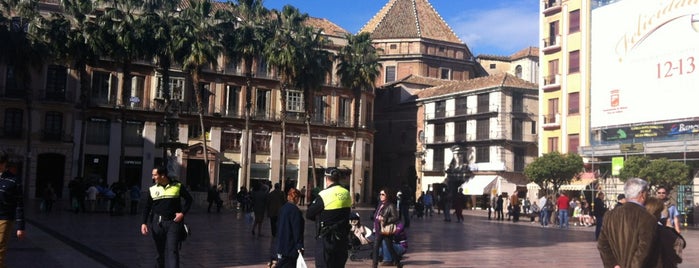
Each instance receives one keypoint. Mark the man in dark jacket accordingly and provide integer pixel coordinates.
(628, 232)
(331, 210)
(11, 206)
(599, 208)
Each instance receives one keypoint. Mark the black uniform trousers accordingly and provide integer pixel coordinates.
(166, 234)
(333, 253)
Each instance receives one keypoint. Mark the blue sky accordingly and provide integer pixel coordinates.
(495, 27)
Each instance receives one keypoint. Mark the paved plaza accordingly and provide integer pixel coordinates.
(65, 239)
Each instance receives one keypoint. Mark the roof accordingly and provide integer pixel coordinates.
(496, 80)
(419, 80)
(329, 27)
(409, 19)
(524, 53)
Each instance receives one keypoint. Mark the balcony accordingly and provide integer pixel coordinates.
(552, 44)
(551, 7)
(552, 83)
(551, 121)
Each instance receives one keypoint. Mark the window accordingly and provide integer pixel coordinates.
(232, 97)
(460, 131)
(492, 66)
(137, 88)
(261, 143)
(318, 145)
(262, 67)
(438, 159)
(440, 109)
(520, 154)
(573, 143)
(53, 126)
(445, 73)
(367, 152)
(483, 102)
(97, 131)
(483, 129)
(553, 144)
(393, 46)
(574, 21)
(230, 141)
(482, 154)
(344, 149)
(574, 62)
(461, 106)
(11, 87)
(517, 129)
(204, 93)
(320, 107)
(517, 102)
(262, 103)
(101, 87)
(12, 126)
(390, 74)
(133, 133)
(439, 133)
(533, 130)
(175, 89)
(292, 145)
(369, 109)
(574, 103)
(56, 77)
(518, 71)
(553, 111)
(553, 34)
(345, 113)
(194, 130)
(159, 134)
(553, 72)
(294, 101)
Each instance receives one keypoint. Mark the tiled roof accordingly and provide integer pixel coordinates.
(527, 52)
(419, 80)
(328, 27)
(493, 81)
(409, 19)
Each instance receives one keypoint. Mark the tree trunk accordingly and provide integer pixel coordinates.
(200, 104)
(283, 160)
(357, 98)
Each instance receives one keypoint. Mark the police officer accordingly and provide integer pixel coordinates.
(11, 206)
(331, 210)
(165, 213)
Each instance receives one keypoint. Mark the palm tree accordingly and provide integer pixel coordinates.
(247, 43)
(358, 69)
(285, 53)
(200, 47)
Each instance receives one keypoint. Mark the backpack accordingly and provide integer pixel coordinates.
(549, 205)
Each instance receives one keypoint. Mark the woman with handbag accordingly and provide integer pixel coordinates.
(385, 220)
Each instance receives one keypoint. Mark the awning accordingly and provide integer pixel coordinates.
(478, 185)
(577, 185)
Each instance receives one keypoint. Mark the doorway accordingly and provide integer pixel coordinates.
(50, 171)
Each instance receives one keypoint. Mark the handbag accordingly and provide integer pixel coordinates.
(388, 229)
(300, 262)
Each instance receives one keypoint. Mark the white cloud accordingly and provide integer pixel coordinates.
(500, 31)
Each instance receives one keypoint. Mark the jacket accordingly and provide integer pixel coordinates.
(11, 199)
(628, 237)
(389, 213)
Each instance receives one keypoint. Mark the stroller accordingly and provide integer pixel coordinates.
(360, 239)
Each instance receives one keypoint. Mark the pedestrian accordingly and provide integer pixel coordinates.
(399, 244)
(429, 203)
(91, 196)
(11, 206)
(629, 232)
(545, 205)
(527, 205)
(259, 206)
(275, 200)
(289, 244)
(76, 189)
(459, 203)
(135, 196)
(303, 195)
(563, 204)
(498, 208)
(514, 204)
(670, 243)
(49, 198)
(598, 210)
(386, 213)
(163, 216)
(331, 210)
(447, 205)
(213, 197)
(620, 200)
(669, 216)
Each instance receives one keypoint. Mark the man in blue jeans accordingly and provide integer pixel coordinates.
(563, 205)
(543, 211)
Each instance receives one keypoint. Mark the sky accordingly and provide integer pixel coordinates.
(493, 27)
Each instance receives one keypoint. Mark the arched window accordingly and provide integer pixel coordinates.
(518, 71)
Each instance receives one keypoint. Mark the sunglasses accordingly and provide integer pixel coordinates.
(382, 194)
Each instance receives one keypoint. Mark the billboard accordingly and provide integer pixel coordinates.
(644, 62)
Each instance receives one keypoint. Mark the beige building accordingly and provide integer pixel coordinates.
(523, 64)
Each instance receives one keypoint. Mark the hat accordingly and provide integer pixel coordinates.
(620, 196)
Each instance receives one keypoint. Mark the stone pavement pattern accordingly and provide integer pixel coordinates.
(64, 239)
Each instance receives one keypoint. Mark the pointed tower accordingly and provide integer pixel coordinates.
(413, 39)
